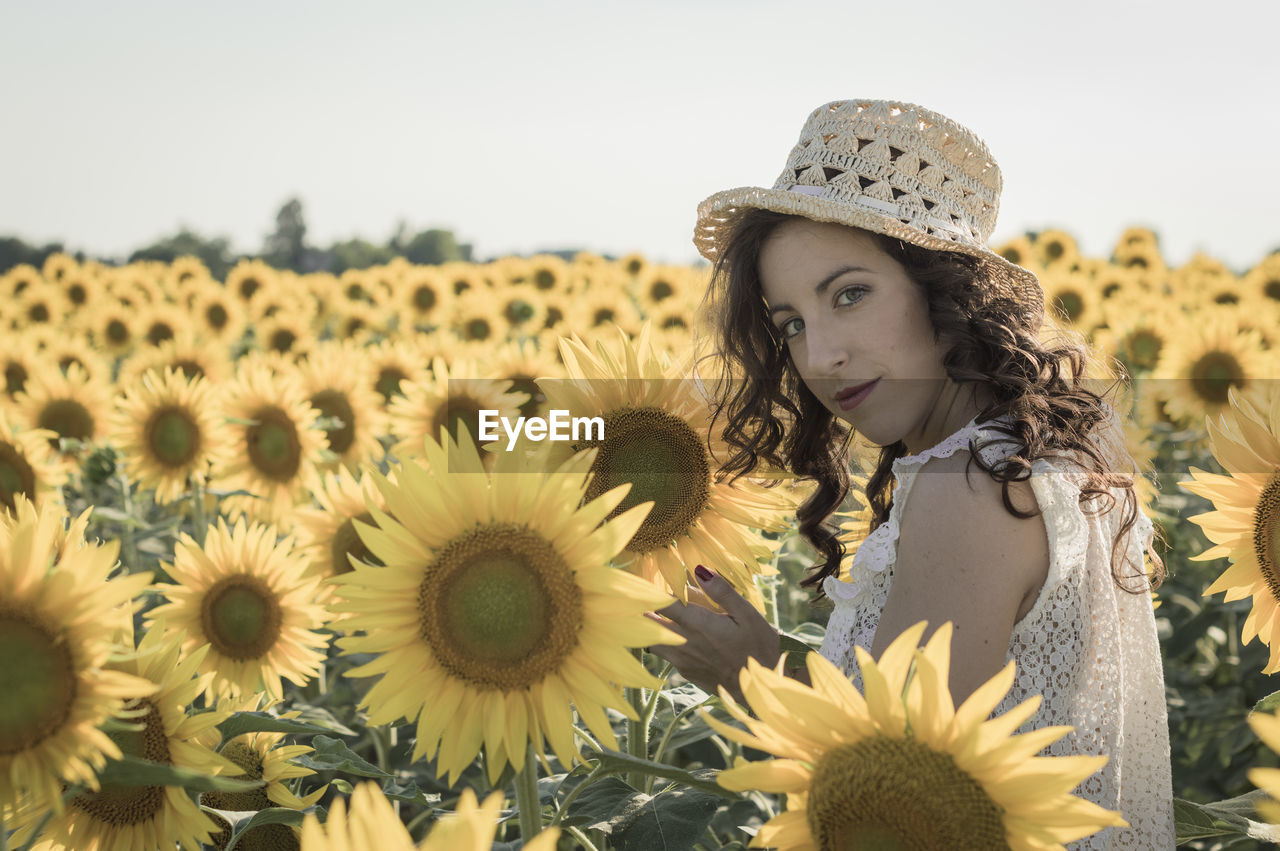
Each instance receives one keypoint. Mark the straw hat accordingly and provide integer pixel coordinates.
(889, 167)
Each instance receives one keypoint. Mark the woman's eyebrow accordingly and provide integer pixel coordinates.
(822, 285)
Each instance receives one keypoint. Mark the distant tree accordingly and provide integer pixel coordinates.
(286, 246)
(434, 246)
(14, 251)
(357, 253)
(216, 253)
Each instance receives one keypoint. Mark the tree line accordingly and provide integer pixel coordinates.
(286, 247)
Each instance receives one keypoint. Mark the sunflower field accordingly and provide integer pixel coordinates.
(261, 588)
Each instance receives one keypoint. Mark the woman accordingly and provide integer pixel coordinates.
(858, 295)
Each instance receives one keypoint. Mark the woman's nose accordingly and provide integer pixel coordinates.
(827, 352)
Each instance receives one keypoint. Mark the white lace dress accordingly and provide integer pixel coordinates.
(1088, 647)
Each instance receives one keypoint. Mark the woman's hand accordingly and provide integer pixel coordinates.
(717, 645)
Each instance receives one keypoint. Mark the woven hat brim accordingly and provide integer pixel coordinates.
(718, 215)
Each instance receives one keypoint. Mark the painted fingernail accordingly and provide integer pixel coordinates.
(702, 573)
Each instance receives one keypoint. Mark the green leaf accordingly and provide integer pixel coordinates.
(263, 722)
(618, 763)
(1268, 704)
(672, 820)
(133, 771)
(410, 794)
(322, 717)
(115, 515)
(1232, 817)
(600, 802)
(333, 755)
(243, 822)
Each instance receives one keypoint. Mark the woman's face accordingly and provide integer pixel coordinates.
(850, 315)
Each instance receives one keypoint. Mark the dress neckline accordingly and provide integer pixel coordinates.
(943, 445)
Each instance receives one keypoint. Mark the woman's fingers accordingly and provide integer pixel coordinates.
(718, 589)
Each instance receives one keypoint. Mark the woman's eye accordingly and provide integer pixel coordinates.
(855, 295)
(795, 322)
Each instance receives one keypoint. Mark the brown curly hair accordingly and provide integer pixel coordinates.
(772, 416)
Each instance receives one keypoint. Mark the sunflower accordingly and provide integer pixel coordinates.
(42, 305)
(124, 818)
(1263, 280)
(58, 266)
(477, 318)
(285, 333)
(1138, 331)
(1267, 728)
(497, 606)
(260, 756)
(167, 430)
(18, 364)
(903, 767)
(81, 290)
(1072, 297)
(217, 313)
(1205, 362)
(19, 279)
(187, 353)
(26, 468)
(1138, 250)
(337, 380)
(58, 616)
(1019, 251)
(356, 321)
(395, 362)
(276, 445)
(522, 308)
(372, 825)
(328, 534)
(114, 327)
(661, 287)
(523, 362)
(67, 349)
(657, 429)
(1246, 517)
(454, 394)
(1200, 275)
(71, 406)
(249, 596)
(600, 307)
(1055, 249)
(160, 322)
(249, 276)
(425, 297)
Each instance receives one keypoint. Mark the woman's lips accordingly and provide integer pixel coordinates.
(851, 397)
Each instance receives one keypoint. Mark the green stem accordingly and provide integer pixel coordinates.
(671, 728)
(527, 798)
(198, 518)
(128, 544)
(564, 807)
(637, 731)
(646, 720)
(577, 834)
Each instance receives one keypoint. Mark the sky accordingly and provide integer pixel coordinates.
(525, 126)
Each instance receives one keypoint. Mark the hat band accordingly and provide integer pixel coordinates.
(891, 209)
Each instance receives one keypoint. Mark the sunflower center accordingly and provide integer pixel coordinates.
(189, 368)
(15, 377)
(173, 436)
(457, 409)
(37, 680)
(117, 332)
(248, 286)
(273, 443)
(1266, 534)
(499, 607)
(282, 340)
(241, 617)
(477, 329)
(38, 312)
(663, 459)
(217, 317)
(122, 805)
(347, 542)
(77, 294)
(250, 760)
(544, 279)
(68, 418)
(661, 290)
(884, 793)
(519, 311)
(527, 385)
(1272, 289)
(16, 477)
(424, 298)
(1144, 347)
(388, 383)
(334, 403)
(159, 332)
(1069, 305)
(1213, 374)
